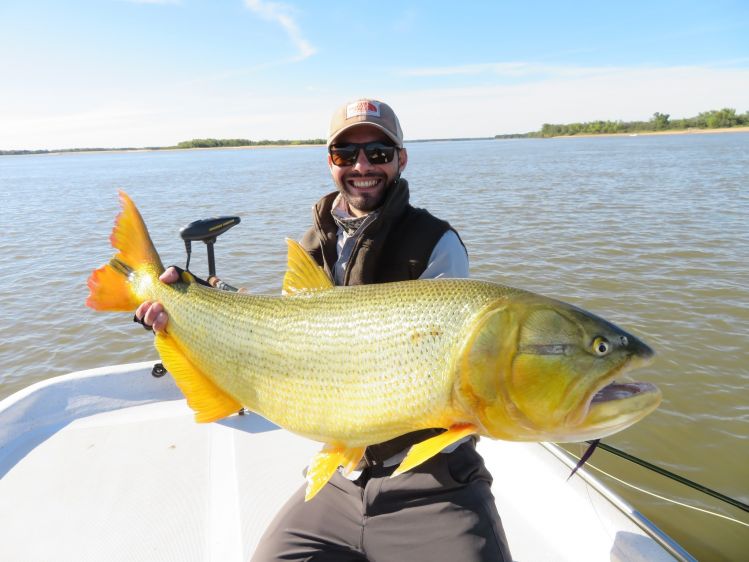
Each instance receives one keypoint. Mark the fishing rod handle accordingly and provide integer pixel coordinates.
(216, 283)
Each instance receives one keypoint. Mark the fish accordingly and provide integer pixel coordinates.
(354, 366)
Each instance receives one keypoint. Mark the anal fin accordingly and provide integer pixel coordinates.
(425, 450)
(326, 462)
(209, 402)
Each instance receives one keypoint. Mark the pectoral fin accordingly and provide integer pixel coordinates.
(427, 449)
(208, 400)
(326, 462)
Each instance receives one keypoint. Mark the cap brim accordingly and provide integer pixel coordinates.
(390, 135)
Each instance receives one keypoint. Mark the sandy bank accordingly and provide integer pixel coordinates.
(656, 133)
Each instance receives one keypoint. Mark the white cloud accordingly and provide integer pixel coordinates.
(503, 69)
(164, 119)
(149, 116)
(569, 96)
(279, 13)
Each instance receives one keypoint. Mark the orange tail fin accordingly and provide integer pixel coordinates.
(110, 285)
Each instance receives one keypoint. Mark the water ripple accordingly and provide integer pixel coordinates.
(650, 232)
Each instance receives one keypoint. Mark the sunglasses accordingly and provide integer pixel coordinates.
(347, 154)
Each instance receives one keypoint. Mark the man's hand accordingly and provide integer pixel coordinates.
(152, 314)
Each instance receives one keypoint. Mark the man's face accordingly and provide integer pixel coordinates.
(364, 185)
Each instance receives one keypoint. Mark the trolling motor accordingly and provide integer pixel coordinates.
(206, 230)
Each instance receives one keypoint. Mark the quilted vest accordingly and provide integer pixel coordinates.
(396, 246)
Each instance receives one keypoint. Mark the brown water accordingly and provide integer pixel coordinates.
(649, 232)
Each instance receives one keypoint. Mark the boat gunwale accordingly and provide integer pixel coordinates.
(627, 509)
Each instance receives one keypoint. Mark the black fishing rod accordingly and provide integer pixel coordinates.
(662, 471)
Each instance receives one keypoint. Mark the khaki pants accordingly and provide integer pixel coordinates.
(440, 511)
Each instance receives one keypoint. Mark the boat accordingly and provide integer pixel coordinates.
(109, 464)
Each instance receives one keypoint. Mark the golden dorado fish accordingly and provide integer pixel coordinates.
(355, 366)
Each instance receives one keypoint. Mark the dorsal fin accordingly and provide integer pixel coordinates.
(302, 273)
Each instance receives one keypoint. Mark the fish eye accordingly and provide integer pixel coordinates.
(601, 346)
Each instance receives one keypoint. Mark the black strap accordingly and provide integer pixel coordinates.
(142, 323)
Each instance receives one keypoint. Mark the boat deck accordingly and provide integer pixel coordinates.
(109, 465)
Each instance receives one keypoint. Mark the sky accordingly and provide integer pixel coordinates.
(136, 73)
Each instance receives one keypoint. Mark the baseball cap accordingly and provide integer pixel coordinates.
(366, 111)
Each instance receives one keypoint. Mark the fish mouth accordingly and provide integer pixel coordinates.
(621, 391)
(616, 406)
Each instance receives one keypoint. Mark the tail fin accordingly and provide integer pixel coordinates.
(109, 285)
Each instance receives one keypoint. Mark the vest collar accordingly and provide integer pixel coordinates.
(369, 239)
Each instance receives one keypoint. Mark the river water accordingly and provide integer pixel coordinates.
(651, 232)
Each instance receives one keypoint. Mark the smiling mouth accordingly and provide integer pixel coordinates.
(364, 184)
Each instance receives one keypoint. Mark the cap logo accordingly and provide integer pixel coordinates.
(363, 107)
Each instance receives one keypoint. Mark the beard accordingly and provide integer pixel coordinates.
(364, 200)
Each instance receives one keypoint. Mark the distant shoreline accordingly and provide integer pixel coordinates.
(149, 149)
(694, 131)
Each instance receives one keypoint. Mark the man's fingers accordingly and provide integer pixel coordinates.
(156, 317)
(169, 276)
(159, 324)
(152, 313)
(140, 312)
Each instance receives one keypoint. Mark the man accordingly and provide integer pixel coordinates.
(367, 232)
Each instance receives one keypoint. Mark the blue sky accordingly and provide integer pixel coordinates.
(113, 73)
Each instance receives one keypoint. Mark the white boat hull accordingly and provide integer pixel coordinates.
(108, 464)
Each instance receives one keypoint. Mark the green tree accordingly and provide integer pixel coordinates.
(725, 117)
(660, 121)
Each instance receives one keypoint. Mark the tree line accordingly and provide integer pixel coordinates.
(714, 119)
(194, 143)
(219, 143)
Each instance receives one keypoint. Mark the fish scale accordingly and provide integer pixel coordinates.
(385, 361)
